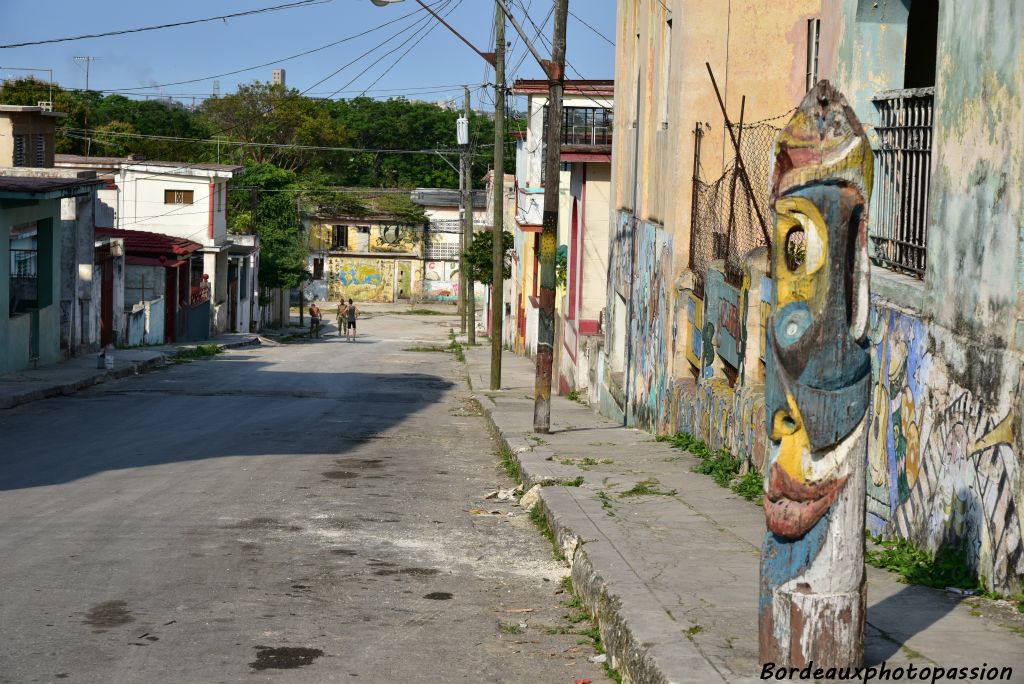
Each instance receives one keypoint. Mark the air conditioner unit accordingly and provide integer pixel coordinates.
(46, 106)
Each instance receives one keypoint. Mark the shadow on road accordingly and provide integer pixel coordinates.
(206, 410)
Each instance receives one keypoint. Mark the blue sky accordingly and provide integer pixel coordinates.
(438, 63)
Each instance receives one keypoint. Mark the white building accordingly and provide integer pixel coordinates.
(180, 200)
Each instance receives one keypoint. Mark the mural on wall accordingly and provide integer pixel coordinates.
(364, 280)
(441, 281)
(943, 464)
(650, 329)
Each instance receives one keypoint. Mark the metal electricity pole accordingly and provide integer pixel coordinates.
(88, 59)
(462, 237)
(470, 298)
(497, 220)
(549, 233)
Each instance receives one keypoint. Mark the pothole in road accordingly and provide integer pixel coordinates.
(439, 596)
(109, 614)
(339, 475)
(284, 657)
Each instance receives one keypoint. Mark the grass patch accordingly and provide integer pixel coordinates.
(511, 628)
(427, 349)
(723, 467)
(540, 520)
(455, 347)
(693, 631)
(647, 488)
(203, 351)
(946, 568)
(575, 482)
(578, 397)
(422, 312)
(591, 633)
(510, 464)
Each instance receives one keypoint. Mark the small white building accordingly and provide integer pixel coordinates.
(442, 238)
(180, 200)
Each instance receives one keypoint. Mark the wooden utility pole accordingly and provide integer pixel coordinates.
(549, 223)
(470, 297)
(812, 600)
(498, 216)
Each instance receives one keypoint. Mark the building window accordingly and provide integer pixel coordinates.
(318, 268)
(922, 44)
(364, 230)
(40, 150)
(19, 150)
(899, 221)
(178, 196)
(813, 36)
(339, 237)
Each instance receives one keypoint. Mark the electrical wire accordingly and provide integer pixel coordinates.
(223, 17)
(604, 37)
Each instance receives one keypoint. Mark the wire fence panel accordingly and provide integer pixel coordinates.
(725, 216)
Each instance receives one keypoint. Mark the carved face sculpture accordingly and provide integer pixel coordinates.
(818, 361)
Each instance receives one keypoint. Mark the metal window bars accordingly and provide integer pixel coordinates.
(899, 221)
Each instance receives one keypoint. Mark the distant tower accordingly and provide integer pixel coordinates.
(216, 88)
(277, 77)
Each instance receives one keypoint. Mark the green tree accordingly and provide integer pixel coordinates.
(263, 201)
(479, 256)
(268, 115)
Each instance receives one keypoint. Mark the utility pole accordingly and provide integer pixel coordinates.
(462, 131)
(88, 62)
(549, 234)
(470, 297)
(498, 192)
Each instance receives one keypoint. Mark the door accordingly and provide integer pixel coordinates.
(404, 279)
(233, 305)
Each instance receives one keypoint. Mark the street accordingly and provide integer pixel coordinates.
(302, 512)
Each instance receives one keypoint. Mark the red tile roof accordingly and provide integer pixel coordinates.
(144, 243)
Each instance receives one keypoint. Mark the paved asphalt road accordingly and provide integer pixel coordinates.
(297, 513)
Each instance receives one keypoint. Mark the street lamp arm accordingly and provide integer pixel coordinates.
(488, 56)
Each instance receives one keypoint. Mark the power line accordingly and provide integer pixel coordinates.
(606, 38)
(276, 61)
(224, 17)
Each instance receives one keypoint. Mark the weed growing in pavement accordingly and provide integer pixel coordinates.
(455, 347)
(946, 568)
(538, 518)
(647, 488)
(578, 397)
(511, 628)
(575, 482)
(723, 467)
(426, 349)
(693, 631)
(510, 464)
(606, 503)
(420, 312)
(203, 351)
(591, 633)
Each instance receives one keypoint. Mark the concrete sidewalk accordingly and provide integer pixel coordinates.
(673, 577)
(68, 377)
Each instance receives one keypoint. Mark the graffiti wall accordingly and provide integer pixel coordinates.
(650, 327)
(441, 281)
(362, 279)
(944, 458)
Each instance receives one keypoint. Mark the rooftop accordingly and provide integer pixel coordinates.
(599, 88)
(144, 243)
(142, 164)
(446, 197)
(30, 109)
(41, 188)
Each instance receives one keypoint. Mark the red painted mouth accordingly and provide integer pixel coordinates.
(792, 508)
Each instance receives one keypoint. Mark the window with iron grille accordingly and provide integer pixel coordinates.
(318, 269)
(899, 219)
(40, 150)
(19, 150)
(178, 196)
(339, 237)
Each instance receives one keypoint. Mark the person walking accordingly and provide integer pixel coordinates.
(314, 320)
(351, 313)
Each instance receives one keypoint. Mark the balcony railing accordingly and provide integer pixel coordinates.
(899, 224)
(585, 126)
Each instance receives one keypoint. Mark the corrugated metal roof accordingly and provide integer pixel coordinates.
(142, 242)
(446, 197)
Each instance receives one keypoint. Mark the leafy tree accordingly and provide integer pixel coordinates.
(263, 202)
(274, 115)
(479, 256)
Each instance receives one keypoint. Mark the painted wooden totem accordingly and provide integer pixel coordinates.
(812, 601)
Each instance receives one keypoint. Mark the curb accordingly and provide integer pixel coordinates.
(626, 623)
(135, 368)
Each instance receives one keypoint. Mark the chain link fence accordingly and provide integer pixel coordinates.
(727, 220)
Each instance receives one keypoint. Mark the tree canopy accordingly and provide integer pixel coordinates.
(479, 257)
